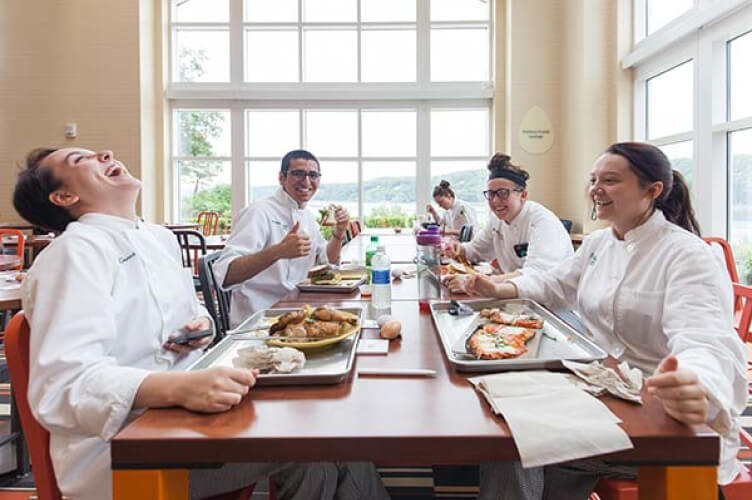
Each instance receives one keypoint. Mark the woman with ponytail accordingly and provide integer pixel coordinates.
(457, 213)
(648, 290)
(522, 235)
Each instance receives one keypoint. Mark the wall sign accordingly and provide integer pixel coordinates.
(536, 135)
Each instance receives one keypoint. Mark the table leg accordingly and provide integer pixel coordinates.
(678, 483)
(166, 484)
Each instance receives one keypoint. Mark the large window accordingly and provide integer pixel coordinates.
(369, 86)
(692, 100)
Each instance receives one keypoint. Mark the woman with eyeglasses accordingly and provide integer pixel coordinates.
(457, 215)
(522, 235)
(650, 292)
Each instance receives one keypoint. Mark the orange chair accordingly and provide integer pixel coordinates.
(624, 489)
(20, 243)
(728, 256)
(208, 222)
(38, 439)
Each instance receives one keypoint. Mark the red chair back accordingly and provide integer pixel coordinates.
(743, 295)
(21, 242)
(355, 227)
(38, 439)
(728, 257)
(208, 222)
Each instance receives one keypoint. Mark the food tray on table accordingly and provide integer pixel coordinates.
(551, 344)
(349, 282)
(325, 364)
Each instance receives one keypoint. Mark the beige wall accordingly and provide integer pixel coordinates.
(562, 55)
(68, 61)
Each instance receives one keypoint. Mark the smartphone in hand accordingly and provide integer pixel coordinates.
(186, 336)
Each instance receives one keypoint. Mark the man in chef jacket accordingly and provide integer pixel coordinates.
(275, 241)
(104, 302)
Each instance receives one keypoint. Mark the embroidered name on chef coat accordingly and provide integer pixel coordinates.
(126, 258)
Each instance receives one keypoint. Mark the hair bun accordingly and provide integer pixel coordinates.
(444, 183)
(499, 160)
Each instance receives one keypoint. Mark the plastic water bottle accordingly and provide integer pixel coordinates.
(370, 252)
(381, 282)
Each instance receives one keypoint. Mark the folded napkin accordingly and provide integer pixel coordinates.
(551, 419)
(598, 379)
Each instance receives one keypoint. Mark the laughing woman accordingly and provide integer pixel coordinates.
(640, 287)
(523, 234)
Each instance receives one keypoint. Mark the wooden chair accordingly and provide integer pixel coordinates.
(216, 300)
(208, 222)
(191, 243)
(20, 244)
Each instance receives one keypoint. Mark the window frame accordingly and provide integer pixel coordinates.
(702, 35)
(236, 96)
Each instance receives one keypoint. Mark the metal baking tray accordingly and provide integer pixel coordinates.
(557, 342)
(324, 365)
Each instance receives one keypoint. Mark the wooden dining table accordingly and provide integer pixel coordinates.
(389, 420)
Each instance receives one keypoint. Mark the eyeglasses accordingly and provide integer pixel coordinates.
(502, 193)
(300, 174)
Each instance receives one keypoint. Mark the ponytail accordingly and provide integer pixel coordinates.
(676, 205)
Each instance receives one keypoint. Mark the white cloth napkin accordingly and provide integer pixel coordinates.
(551, 419)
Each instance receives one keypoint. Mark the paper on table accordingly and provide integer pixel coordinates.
(552, 420)
(598, 379)
(372, 346)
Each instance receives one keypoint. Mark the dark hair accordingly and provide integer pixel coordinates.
(31, 196)
(294, 155)
(443, 189)
(500, 167)
(650, 165)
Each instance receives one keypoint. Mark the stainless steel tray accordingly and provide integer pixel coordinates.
(558, 340)
(325, 365)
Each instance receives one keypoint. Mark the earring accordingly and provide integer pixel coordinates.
(593, 214)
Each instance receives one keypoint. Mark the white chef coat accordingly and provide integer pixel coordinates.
(536, 227)
(461, 214)
(657, 292)
(258, 226)
(101, 300)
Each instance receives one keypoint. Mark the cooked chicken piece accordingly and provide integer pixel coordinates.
(487, 313)
(296, 330)
(326, 313)
(291, 317)
(322, 329)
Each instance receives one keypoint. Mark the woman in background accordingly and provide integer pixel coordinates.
(457, 213)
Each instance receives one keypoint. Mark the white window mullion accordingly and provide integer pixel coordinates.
(240, 174)
(423, 42)
(361, 213)
(237, 54)
(423, 149)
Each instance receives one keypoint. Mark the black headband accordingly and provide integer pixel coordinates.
(505, 173)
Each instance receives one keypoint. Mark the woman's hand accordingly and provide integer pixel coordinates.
(202, 323)
(459, 283)
(454, 250)
(680, 391)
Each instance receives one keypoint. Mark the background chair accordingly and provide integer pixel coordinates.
(466, 233)
(567, 224)
(191, 243)
(208, 223)
(20, 243)
(216, 300)
(37, 438)
(356, 227)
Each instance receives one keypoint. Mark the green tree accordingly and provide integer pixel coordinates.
(197, 129)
